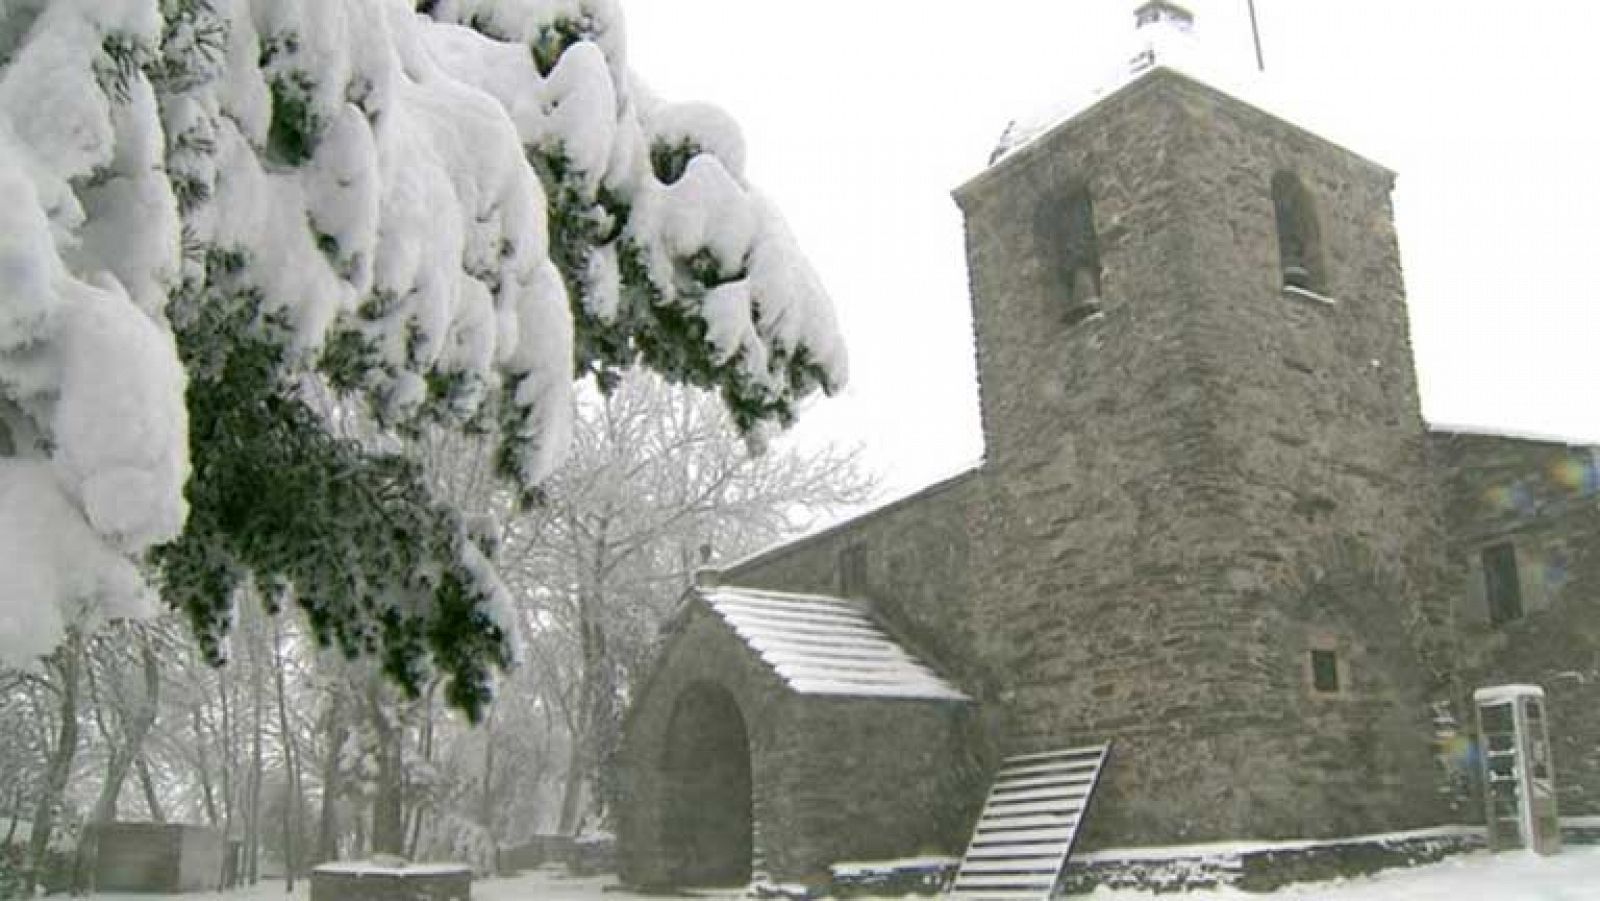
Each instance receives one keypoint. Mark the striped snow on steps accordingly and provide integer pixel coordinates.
(1025, 834)
(825, 646)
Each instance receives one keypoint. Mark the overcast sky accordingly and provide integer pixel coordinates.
(861, 115)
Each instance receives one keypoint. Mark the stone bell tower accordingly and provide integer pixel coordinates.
(1201, 415)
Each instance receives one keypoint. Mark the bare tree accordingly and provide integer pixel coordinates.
(286, 738)
(658, 483)
(65, 667)
(335, 729)
(657, 474)
(124, 711)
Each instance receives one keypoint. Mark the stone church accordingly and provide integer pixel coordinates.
(1211, 527)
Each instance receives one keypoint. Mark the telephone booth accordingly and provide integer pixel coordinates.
(1519, 787)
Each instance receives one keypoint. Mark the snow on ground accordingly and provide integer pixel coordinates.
(1517, 876)
(1569, 876)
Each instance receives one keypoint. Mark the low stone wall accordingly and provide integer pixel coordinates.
(536, 852)
(360, 881)
(1264, 867)
(1580, 830)
(592, 855)
(893, 878)
(585, 856)
(156, 857)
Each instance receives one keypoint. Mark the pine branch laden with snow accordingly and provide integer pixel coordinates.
(447, 209)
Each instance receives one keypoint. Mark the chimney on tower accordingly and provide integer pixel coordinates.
(1164, 13)
(1164, 31)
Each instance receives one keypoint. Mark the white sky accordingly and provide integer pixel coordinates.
(861, 116)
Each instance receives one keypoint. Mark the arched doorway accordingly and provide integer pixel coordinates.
(707, 829)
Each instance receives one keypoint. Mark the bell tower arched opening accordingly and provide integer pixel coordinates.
(1299, 236)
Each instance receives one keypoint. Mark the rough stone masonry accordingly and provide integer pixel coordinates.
(1211, 524)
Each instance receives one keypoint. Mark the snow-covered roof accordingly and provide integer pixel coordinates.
(1514, 434)
(825, 646)
(853, 520)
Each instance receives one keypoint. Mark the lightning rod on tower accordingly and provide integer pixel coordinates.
(1255, 33)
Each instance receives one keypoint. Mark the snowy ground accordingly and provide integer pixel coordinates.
(1572, 875)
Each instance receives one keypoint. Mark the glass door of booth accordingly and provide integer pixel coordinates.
(1518, 777)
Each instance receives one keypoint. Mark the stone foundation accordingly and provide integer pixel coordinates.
(1260, 867)
(1264, 867)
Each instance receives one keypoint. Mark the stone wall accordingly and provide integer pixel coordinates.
(830, 776)
(1542, 498)
(921, 562)
(1207, 480)
(699, 650)
(1207, 527)
(372, 882)
(866, 779)
(156, 857)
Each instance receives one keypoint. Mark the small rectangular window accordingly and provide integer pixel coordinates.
(853, 570)
(1501, 585)
(1325, 671)
(8, 445)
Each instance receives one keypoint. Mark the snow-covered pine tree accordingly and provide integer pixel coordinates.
(211, 210)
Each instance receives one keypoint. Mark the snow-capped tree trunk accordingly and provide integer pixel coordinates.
(486, 796)
(15, 820)
(388, 803)
(230, 757)
(135, 723)
(593, 688)
(66, 665)
(202, 767)
(124, 744)
(418, 805)
(336, 732)
(252, 827)
(291, 757)
(152, 798)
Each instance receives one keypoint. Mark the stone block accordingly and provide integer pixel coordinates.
(156, 857)
(366, 881)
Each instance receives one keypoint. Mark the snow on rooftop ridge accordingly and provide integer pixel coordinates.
(1490, 431)
(820, 645)
(1167, 36)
